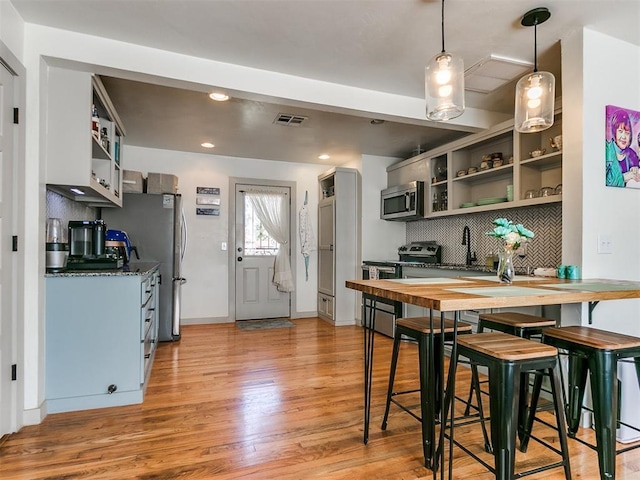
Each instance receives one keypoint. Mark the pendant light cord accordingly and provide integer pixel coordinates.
(535, 47)
(442, 29)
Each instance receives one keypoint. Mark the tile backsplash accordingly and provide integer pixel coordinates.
(545, 250)
(66, 209)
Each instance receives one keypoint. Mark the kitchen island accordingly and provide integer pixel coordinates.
(101, 334)
(464, 293)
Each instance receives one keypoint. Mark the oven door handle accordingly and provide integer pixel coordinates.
(380, 269)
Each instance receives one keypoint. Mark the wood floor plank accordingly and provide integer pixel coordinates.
(264, 404)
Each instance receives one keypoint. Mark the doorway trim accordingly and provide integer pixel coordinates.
(18, 228)
(293, 225)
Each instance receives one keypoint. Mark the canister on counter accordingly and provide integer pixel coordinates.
(562, 271)
(573, 272)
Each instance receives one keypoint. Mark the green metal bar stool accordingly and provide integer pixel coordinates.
(429, 354)
(519, 324)
(507, 357)
(596, 352)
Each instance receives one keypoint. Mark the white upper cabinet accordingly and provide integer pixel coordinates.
(82, 164)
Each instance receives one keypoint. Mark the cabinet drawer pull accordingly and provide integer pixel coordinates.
(147, 355)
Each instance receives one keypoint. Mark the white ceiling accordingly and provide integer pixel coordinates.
(379, 45)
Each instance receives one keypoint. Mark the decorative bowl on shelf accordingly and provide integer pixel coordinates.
(461, 173)
(546, 192)
(472, 170)
(556, 142)
(537, 153)
(486, 164)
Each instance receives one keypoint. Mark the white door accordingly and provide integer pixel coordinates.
(7, 407)
(256, 295)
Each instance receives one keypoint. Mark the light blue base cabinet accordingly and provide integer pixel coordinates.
(101, 334)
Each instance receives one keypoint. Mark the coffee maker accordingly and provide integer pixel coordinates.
(87, 246)
(57, 249)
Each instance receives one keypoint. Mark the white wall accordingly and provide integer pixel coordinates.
(598, 70)
(380, 238)
(11, 29)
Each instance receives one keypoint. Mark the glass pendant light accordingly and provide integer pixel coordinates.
(535, 92)
(444, 84)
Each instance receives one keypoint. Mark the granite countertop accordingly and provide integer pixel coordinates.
(458, 266)
(133, 268)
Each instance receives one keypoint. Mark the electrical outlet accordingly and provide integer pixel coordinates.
(605, 244)
(223, 246)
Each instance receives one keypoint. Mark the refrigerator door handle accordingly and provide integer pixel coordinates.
(185, 235)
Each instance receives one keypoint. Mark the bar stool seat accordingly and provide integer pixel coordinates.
(429, 349)
(518, 324)
(596, 352)
(507, 357)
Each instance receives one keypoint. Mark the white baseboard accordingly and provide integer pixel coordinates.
(34, 416)
(204, 320)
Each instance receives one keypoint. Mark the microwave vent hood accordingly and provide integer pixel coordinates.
(403, 203)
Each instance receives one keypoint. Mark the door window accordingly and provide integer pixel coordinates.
(257, 241)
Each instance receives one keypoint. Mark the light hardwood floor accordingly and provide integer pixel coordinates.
(268, 404)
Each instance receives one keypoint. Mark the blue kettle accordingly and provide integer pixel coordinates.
(120, 239)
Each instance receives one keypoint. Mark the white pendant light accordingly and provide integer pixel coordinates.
(444, 84)
(535, 92)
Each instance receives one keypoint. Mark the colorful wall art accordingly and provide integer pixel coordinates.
(622, 147)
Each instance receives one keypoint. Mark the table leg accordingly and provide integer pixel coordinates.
(369, 335)
(448, 394)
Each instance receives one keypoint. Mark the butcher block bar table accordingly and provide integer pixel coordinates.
(453, 295)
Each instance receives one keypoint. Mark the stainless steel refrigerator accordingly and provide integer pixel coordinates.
(155, 224)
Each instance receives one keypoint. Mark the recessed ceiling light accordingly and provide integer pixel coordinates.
(207, 145)
(324, 156)
(218, 97)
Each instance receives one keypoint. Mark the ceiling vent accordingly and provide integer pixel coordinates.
(493, 72)
(289, 120)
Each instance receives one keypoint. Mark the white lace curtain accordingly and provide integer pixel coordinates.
(270, 209)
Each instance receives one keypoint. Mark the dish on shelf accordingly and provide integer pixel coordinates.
(531, 194)
(490, 201)
(461, 173)
(546, 192)
(472, 170)
(537, 153)
(486, 164)
(467, 205)
(497, 163)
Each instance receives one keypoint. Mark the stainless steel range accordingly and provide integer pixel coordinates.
(409, 255)
(421, 252)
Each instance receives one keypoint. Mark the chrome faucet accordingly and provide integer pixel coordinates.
(466, 240)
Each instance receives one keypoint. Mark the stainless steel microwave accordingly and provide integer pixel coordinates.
(403, 202)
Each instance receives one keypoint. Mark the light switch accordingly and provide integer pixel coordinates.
(605, 244)
(223, 246)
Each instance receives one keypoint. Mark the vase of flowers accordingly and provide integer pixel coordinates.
(512, 236)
